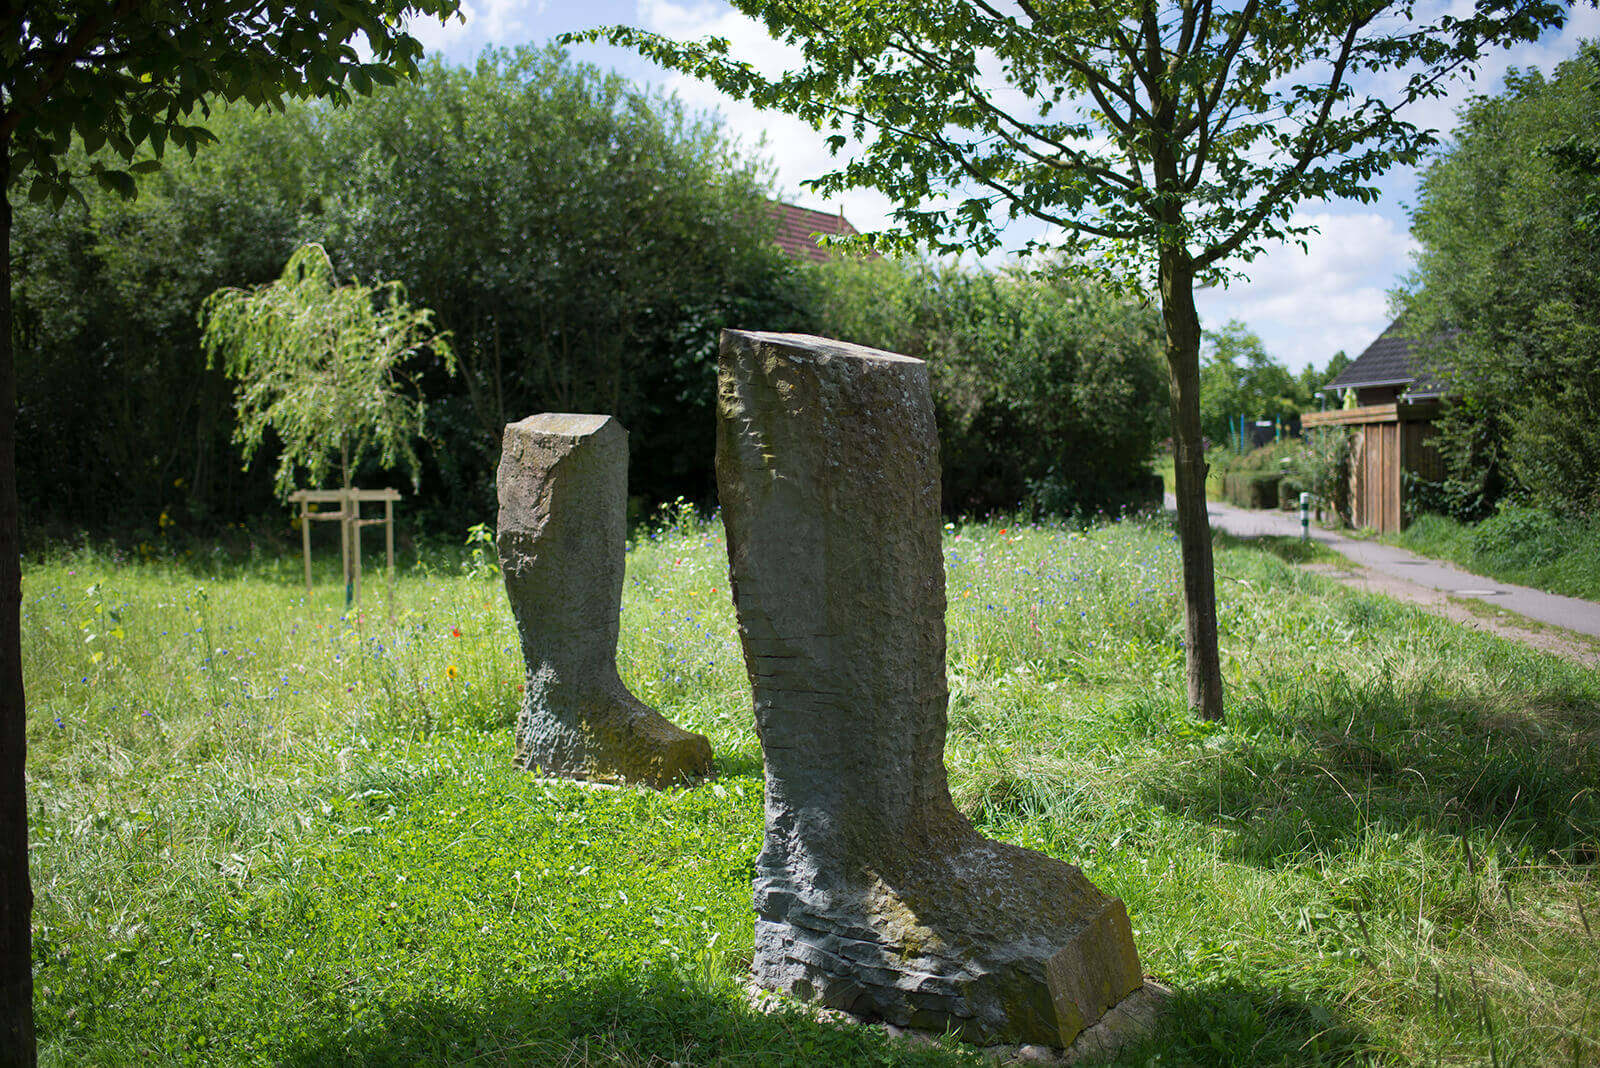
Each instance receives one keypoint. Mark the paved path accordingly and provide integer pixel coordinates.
(1433, 583)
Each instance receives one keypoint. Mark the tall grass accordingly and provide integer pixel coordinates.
(267, 831)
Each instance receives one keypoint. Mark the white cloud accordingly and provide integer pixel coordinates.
(1307, 305)
(799, 152)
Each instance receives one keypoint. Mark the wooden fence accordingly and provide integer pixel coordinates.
(1388, 440)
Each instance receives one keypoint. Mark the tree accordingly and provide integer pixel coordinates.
(1162, 138)
(106, 334)
(321, 365)
(583, 240)
(131, 75)
(1311, 379)
(1237, 377)
(1508, 285)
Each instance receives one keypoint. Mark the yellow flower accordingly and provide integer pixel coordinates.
(450, 672)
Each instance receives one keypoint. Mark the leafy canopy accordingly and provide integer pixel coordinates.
(1238, 377)
(133, 76)
(1508, 281)
(322, 366)
(1130, 125)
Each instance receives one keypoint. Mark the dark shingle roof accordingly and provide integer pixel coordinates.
(1391, 360)
(798, 227)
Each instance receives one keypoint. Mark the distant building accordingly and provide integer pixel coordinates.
(1391, 423)
(798, 229)
(1389, 370)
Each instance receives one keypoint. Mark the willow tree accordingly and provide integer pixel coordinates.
(1163, 141)
(324, 366)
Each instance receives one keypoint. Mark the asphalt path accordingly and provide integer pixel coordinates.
(1398, 565)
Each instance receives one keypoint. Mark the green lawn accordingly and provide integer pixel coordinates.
(264, 833)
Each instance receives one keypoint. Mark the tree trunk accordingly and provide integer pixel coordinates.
(1204, 667)
(16, 892)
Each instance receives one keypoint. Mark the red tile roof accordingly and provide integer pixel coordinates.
(798, 229)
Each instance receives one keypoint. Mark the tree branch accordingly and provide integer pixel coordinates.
(1308, 152)
(1230, 52)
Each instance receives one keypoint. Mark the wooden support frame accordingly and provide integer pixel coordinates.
(348, 516)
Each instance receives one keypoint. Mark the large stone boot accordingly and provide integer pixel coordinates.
(563, 485)
(873, 894)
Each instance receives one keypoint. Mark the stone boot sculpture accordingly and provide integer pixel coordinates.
(563, 484)
(873, 894)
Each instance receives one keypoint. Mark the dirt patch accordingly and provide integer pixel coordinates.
(1469, 612)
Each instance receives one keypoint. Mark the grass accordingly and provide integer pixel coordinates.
(1518, 545)
(1290, 550)
(265, 832)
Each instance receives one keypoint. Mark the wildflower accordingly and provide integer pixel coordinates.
(455, 632)
(452, 672)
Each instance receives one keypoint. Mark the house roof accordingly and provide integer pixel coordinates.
(1391, 360)
(798, 229)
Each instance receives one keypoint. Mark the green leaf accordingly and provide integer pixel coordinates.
(119, 182)
(93, 137)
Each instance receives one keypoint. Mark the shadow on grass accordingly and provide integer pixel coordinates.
(1289, 550)
(1324, 770)
(660, 1021)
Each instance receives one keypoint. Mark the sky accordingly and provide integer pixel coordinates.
(1304, 304)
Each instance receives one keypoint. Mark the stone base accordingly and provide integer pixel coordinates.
(992, 942)
(1133, 1019)
(608, 735)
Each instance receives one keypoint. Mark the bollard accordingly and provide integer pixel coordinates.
(1305, 516)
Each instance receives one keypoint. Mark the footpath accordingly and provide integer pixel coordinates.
(1566, 626)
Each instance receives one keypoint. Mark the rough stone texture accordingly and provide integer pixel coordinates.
(872, 893)
(563, 484)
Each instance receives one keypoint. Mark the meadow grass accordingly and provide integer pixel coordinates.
(266, 831)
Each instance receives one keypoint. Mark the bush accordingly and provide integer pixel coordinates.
(1520, 536)
(1252, 489)
(1320, 466)
(1049, 394)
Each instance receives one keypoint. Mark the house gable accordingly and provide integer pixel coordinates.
(1388, 370)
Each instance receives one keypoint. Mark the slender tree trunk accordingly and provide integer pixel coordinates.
(1204, 668)
(16, 892)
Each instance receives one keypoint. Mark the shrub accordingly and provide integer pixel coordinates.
(1321, 466)
(1049, 394)
(1520, 536)
(1252, 489)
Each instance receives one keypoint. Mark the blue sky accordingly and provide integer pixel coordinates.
(1305, 305)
